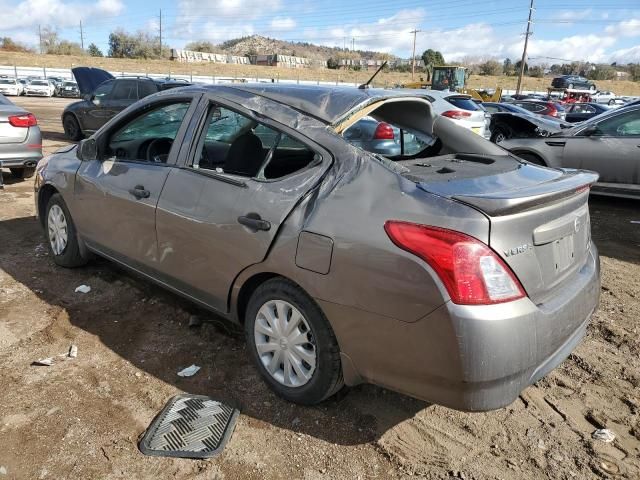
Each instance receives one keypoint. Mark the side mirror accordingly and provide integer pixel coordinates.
(590, 131)
(87, 150)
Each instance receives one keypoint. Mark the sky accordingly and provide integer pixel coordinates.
(563, 30)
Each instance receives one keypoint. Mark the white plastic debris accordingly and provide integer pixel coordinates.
(73, 351)
(635, 222)
(189, 371)
(45, 362)
(3, 470)
(83, 289)
(604, 435)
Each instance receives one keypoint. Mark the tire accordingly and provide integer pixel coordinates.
(25, 172)
(71, 128)
(592, 88)
(325, 377)
(69, 256)
(570, 87)
(500, 135)
(612, 102)
(531, 158)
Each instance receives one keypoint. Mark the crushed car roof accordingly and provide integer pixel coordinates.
(326, 103)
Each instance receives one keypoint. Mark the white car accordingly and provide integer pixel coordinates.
(460, 108)
(604, 97)
(43, 88)
(10, 86)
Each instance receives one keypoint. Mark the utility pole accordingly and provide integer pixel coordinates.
(81, 37)
(40, 36)
(413, 57)
(524, 51)
(160, 33)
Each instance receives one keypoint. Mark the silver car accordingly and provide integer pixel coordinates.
(458, 275)
(608, 144)
(460, 108)
(20, 139)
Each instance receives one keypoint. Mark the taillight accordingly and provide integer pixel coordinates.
(553, 111)
(27, 120)
(472, 273)
(384, 131)
(457, 114)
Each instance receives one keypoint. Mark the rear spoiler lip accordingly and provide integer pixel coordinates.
(573, 182)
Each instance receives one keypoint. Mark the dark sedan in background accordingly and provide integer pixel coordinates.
(573, 81)
(69, 89)
(542, 107)
(106, 96)
(579, 112)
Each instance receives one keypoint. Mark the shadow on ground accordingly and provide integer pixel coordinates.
(148, 327)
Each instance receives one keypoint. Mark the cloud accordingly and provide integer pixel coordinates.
(626, 55)
(31, 13)
(626, 28)
(283, 24)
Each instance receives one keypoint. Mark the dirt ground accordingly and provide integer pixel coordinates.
(81, 418)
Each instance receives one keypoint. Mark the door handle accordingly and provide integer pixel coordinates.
(139, 192)
(254, 222)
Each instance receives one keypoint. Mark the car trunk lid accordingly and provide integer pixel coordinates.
(9, 133)
(539, 218)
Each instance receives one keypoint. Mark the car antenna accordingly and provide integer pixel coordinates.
(364, 86)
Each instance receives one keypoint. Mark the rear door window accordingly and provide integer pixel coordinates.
(125, 90)
(238, 145)
(464, 103)
(146, 88)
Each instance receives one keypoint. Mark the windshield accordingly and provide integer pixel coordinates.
(4, 81)
(39, 82)
(70, 84)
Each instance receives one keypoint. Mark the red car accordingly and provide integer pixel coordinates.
(543, 107)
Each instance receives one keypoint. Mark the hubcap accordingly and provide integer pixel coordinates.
(57, 226)
(285, 343)
(499, 137)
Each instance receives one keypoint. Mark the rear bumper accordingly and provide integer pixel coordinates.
(25, 154)
(472, 358)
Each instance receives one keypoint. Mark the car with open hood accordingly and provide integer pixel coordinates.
(608, 144)
(104, 97)
(454, 272)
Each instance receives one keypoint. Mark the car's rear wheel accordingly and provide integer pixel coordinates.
(292, 343)
(532, 158)
(500, 134)
(61, 234)
(72, 128)
(24, 172)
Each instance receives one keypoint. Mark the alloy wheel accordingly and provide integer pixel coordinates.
(285, 343)
(58, 231)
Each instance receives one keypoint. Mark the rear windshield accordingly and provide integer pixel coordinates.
(465, 103)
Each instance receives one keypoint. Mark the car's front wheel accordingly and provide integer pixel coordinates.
(71, 128)
(500, 135)
(292, 343)
(61, 234)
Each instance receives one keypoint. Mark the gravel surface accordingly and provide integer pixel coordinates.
(81, 417)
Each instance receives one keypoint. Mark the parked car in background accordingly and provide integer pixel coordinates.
(510, 121)
(546, 108)
(603, 97)
(459, 275)
(606, 144)
(460, 108)
(20, 139)
(40, 88)
(11, 86)
(579, 112)
(105, 97)
(69, 89)
(57, 83)
(382, 138)
(573, 82)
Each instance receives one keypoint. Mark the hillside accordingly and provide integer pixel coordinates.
(251, 71)
(263, 45)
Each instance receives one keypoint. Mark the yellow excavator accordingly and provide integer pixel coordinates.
(448, 77)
